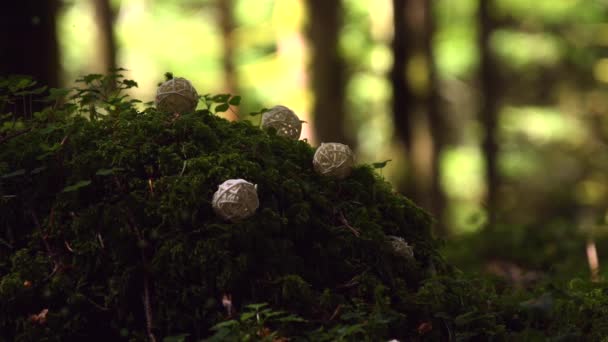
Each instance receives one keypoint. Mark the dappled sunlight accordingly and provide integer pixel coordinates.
(542, 125)
(272, 65)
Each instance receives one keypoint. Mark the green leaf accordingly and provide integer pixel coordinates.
(90, 78)
(130, 84)
(35, 91)
(118, 69)
(39, 90)
(256, 307)
(21, 82)
(76, 186)
(264, 110)
(381, 165)
(225, 324)
(176, 338)
(221, 98)
(37, 170)
(235, 100)
(14, 174)
(56, 94)
(107, 172)
(290, 319)
(49, 129)
(222, 108)
(247, 316)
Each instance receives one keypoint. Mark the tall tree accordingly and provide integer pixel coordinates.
(436, 121)
(403, 95)
(28, 40)
(328, 70)
(416, 111)
(227, 25)
(104, 19)
(489, 96)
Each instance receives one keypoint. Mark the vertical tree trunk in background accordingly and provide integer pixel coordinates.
(28, 40)
(226, 23)
(416, 112)
(403, 96)
(437, 124)
(489, 83)
(328, 70)
(104, 19)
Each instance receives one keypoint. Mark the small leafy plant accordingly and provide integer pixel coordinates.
(258, 322)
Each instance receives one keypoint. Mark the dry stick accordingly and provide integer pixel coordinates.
(147, 308)
(345, 223)
(49, 251)
(146, 295)
(336, 312)
(592, 259)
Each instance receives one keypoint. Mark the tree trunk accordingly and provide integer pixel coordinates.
(489, 83)
(437, 124)
(28, 40)
(403, 96)
(104, 19)
(226, 23)
(328, 70)
(416, 104)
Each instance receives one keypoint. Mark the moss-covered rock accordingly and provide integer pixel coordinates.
(106, 222)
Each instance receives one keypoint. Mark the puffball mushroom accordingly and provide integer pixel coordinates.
(176, 95)
(235, 199)
(284, 120)
(334, 160)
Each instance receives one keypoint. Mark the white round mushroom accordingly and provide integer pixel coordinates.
(176, 95)
(284, 120)
(235, 199)
(333, 159)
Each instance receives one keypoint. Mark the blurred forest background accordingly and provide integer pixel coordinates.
(494, 113)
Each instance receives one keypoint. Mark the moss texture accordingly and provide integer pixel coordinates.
(104, 214)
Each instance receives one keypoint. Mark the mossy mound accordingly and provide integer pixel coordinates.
(106, 221)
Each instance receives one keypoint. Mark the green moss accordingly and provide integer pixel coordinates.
(108, 206)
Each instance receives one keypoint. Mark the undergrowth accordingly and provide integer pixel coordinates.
(107, 233)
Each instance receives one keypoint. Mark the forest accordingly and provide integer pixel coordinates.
(470, 204)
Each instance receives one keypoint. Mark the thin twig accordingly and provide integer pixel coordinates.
(2, 241)
(49, 251)
(183, 168)
(147, 307)
(347, 225)
(67, 245)
(100, 239)
(11, 136)
(100, 307)
(146, 295)
(338, 308)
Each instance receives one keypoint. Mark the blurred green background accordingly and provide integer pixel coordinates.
(493, 113)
